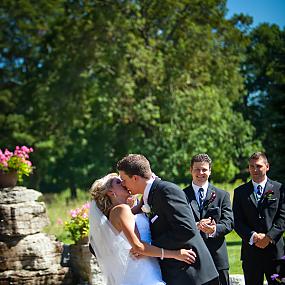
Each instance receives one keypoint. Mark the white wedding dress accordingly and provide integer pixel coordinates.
(112, 252)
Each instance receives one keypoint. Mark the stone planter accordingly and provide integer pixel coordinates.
(8, 179)
(84, 265)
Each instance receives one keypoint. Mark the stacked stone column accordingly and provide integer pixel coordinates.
(27, 256)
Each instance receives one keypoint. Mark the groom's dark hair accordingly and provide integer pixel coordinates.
(135, 164)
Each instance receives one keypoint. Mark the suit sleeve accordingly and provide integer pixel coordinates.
(226, 222)
(179, 217)
(278, 225)
(240, 225)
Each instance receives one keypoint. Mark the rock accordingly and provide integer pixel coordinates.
(32, 252)
(28, 256)
(18, 194)
(22, 218)
(54, 275)
(236, 279)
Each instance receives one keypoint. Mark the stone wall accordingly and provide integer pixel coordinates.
(27, 256)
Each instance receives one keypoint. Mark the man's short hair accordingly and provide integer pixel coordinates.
(258, 155)
(201, 157)
(135, 164)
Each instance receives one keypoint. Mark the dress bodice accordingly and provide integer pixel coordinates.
(142, 224)
(135, 273)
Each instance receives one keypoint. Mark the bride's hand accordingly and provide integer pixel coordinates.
(186, 255)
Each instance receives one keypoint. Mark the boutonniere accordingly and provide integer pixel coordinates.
(210, 200)
(146, 209)
(268, 194)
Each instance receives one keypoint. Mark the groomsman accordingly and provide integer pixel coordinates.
(212, 211)
(259, 215)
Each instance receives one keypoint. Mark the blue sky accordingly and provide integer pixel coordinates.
(270, 11)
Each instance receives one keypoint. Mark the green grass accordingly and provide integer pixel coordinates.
(59, 206)
(232, 239)
(233, 246)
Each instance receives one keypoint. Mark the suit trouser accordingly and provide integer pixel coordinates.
(224, 277)
(213, 282)
(254, 271)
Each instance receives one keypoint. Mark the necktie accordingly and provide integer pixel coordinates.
(201, 195)
(259, 192)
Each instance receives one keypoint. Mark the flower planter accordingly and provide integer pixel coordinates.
(8, 179)
(84, 265)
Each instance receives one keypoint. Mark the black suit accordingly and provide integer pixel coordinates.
(267, 217)
(175, 228)
(220, 210)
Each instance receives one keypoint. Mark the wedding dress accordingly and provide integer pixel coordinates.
(112, 252)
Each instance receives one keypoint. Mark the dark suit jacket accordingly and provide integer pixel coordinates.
(268, 217)
(173, 227)
(220, 210)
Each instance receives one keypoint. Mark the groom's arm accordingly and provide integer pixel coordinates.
(179, 224)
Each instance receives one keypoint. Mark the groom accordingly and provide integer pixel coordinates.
(172, 223)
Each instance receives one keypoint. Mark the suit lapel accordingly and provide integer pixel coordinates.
(194, 203)
(251, 193)
(268, 186)
(151, 192)
(210, 190)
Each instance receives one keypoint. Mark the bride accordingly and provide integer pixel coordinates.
(116, 233)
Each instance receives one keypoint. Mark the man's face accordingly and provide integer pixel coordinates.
(258, 169)
(200, 172)
(129, 182)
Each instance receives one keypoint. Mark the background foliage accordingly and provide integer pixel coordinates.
(86, 82)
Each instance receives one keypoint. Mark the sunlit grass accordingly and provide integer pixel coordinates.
(59, 206)
(58, 209)
(233, 246)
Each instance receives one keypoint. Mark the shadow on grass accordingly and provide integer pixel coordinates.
(233, 243)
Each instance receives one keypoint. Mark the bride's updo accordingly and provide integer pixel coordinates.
(99, 191)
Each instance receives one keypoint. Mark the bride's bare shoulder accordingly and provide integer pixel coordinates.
(119, 211)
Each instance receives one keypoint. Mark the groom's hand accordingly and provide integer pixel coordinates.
(134, 254)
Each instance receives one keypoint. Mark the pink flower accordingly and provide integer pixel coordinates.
(16, 161)
(73, 213)
(59, 221)
(78, 226)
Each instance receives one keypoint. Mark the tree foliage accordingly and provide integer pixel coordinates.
(86, 82)
(265, 81)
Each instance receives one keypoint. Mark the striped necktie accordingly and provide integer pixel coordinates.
(259, 192)
(201, 195)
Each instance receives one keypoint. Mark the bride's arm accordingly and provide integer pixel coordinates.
(123, 220)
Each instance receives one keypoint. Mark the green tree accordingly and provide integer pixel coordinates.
(99, 79)
(265, 81)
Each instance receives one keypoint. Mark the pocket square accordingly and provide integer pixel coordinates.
(154, 219)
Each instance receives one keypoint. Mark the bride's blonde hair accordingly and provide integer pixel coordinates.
(99, 190)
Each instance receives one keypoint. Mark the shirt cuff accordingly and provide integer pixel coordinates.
(251, 239)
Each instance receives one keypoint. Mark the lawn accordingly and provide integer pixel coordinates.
(59, 206)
